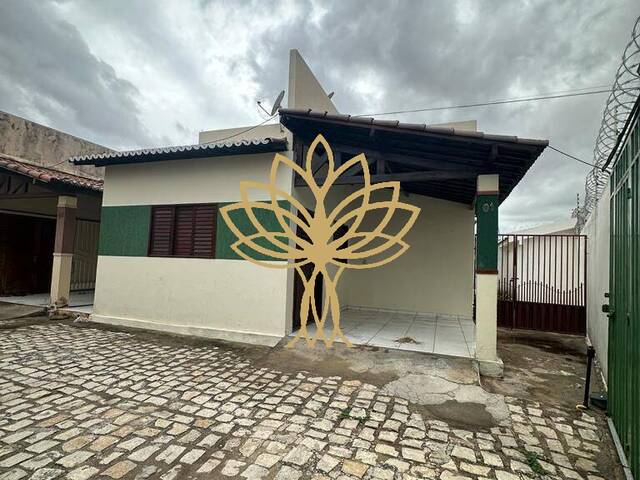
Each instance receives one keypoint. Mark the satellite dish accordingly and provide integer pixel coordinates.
(331, 94)
(277, 103)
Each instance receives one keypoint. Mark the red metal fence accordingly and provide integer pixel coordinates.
(542, 282)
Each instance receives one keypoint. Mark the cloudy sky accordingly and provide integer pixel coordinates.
(135, 73)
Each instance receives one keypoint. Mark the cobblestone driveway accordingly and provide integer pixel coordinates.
(84, 403)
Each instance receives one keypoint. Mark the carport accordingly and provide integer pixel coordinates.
(49, 226)
(458, 178)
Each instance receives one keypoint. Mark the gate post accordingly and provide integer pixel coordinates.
(487, 276)
(63, 251)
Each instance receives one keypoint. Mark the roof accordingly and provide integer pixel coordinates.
(411, 127)
(49, 175)
(181, 152)
(409, 147)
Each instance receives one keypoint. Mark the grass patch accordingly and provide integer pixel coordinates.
(534, 464)
(345, 413)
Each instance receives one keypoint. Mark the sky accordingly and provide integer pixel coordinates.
(140, 73)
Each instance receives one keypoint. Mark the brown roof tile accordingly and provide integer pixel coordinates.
(49, 175)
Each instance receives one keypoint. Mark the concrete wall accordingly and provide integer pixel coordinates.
(45, 146)
(275, 130)
(304, 89)
(435, 275)
(232, 299)
(597, 231)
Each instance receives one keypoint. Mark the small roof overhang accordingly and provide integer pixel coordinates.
(58, 179)
(183, 152)
(437, 152)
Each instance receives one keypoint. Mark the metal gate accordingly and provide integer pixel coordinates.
(85, 255)
(542, 282)
(624, 301)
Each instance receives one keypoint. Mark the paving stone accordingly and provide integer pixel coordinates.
(74, 459)
(17, 474)
(288, 473)
(175, 410)
(192, 456)
(169, 455)
(82, 473)
(355, 469)
(298, 456)
(255, 472)
(464, 453)
(119, 469)
(144, 453)
(267, 460)
(232, 468)
(327, 463)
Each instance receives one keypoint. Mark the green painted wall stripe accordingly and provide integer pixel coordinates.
(124, 231)
(225, 237)
(487, 232)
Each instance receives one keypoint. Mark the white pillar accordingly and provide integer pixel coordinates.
(63, 251)
(487, 276)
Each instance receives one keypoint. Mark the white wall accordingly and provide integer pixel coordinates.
(228, 299)
(435, 275)
(232, 299)
(597, 231)
(200, 180)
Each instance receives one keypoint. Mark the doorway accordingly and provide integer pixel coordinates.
(26, 254)
(298, 286)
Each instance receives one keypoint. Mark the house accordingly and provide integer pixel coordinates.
(165, 259)
(49, 213)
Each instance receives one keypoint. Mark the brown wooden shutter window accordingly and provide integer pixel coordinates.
(183, 231)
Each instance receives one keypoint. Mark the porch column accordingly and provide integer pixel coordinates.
(487, 276)
(63, 251)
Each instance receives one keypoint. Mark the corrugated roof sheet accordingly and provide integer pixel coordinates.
(413, 127)
(199, 150)
(49, 175)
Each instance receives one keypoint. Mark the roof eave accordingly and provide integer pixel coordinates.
(182, 153)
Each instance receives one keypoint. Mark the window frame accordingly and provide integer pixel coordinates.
(174, 207)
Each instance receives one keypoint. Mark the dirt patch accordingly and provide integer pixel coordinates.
(458, 415)
(407, 340)
(544, 367)
(326, 364)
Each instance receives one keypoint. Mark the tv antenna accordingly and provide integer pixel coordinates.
(276, 105)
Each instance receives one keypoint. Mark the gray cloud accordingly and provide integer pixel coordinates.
(115, 71)
(438, 53)
(49, 74)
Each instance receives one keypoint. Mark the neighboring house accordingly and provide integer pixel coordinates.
(165, 260)
(49, 211)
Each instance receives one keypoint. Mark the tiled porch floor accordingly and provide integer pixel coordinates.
(403, 331)
(81, 302)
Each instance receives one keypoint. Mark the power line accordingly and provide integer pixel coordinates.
(484, 104)
(571, 156)
(244, 131)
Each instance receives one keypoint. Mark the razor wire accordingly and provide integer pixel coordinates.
(620, 102)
